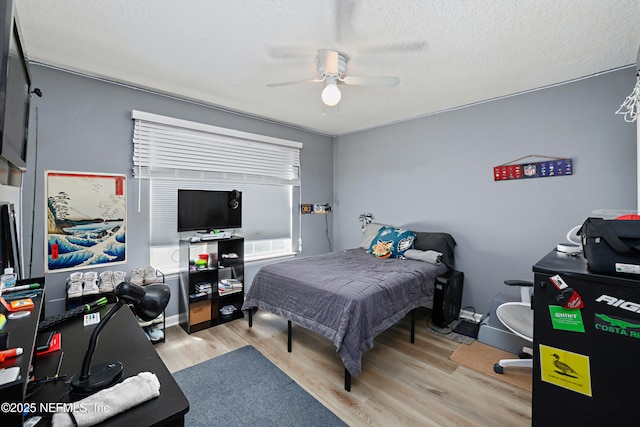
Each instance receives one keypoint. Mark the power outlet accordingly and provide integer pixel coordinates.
(319, 209)
(315, 208)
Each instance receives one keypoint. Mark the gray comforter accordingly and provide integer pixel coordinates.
(349, 296)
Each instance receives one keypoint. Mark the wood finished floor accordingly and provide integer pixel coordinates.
(402, 384)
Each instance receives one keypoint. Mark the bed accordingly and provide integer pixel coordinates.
(351, 296)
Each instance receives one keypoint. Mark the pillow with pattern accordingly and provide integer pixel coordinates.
(399, 239)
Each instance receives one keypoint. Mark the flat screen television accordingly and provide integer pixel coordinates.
(15, 83)
(209, 210)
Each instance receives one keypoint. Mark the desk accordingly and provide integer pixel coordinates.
(122, 339)
(21, 333)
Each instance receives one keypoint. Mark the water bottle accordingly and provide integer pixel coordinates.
(8, 279)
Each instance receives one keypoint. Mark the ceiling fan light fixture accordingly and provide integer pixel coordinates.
(331, 94)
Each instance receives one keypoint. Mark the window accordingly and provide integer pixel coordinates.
(176, 154)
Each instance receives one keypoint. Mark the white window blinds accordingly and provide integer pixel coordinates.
(166, 147)
(175, 154)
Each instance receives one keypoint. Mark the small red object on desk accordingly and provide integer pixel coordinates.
(56, 344)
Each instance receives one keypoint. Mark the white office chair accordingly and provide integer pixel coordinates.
(518, 318)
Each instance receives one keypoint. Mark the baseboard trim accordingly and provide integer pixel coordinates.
(171, 321)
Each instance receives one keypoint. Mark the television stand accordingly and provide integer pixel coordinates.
(213, 293)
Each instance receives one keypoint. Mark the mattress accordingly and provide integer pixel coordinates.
(348, 296)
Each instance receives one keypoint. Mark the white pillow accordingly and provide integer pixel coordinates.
(370, 233)
(432, 257)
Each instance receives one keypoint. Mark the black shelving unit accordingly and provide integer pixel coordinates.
(224, 260)
(74, 302)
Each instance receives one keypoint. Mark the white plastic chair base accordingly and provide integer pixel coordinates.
(498, 368)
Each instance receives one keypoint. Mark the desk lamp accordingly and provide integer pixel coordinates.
(148, 302)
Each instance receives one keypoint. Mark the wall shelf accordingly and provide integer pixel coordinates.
(201, 305)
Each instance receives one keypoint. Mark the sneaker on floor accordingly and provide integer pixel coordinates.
(137, 276)
(155, 333)
(144, 323)
(106, 281)
(75, 289)
(90, 280)
(118, 277)
(150, 275)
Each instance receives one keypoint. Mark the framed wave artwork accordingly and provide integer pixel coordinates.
(85, 220)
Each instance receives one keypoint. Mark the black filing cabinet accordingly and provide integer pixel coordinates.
(586, 360)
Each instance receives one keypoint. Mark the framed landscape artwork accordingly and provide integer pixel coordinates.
(85, 220)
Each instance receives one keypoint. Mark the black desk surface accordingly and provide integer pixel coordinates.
(122, 339)
(20, 333)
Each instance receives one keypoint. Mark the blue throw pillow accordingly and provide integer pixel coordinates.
(401, 240)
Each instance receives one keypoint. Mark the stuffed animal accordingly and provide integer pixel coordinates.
(382, 249)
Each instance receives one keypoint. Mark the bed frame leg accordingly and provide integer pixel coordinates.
(250, 318)
(289, 336)
(413, 326)
(347, 380)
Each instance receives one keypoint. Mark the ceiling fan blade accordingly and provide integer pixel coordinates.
(371, 80)
(395, 48)
(295, 82)
(290, 52)
(329, 60)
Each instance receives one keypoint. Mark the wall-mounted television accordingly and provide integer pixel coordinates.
(15, 83)
(209, 210)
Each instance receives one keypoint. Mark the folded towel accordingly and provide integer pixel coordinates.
(111, 401)
(427, 256)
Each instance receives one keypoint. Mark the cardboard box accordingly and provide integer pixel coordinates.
(200, 312)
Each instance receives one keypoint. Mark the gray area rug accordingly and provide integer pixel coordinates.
(244, 388)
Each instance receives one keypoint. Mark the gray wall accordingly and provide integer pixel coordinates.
(436, 174)
(83, 124)
(432, 173)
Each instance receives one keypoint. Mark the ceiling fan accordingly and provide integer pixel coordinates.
(332, 66)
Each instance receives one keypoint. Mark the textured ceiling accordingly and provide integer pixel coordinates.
(446, 53)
